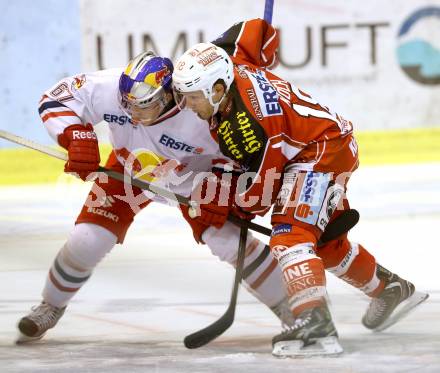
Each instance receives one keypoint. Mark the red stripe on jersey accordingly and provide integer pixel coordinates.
(58, 114)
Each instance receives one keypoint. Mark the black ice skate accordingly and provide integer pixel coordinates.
(397, 299)
(33, 326)
(312, 334)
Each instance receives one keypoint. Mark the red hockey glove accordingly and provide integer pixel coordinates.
(214, 197)
(81, 144)
(258, 44)
(237, 211)
(210, 214)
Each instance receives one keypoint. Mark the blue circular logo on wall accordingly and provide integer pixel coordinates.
(419, 46)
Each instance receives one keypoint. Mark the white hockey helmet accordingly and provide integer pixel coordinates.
(199, 68)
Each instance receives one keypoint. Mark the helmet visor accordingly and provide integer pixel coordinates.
(140, 102)
(190, 100)
(142, 113)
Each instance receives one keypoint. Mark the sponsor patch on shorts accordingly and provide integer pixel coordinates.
(312, 196)
(281, 229)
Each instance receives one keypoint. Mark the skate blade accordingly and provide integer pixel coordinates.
(326, 346)
(403, 309)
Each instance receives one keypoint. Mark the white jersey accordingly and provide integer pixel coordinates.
(170, 153)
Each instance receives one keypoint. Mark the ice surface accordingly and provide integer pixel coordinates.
(148, 294)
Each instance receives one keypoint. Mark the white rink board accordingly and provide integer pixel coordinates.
(350, 61)
(148, 294)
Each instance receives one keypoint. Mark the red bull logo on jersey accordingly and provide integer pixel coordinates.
(78, 81)
(146, 165)
(266, 94)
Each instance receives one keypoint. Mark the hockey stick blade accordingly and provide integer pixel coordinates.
(206, 335)
(211, 332)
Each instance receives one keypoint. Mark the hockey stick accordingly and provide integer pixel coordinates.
(129, 180)
(113, 174)
(206, 335)
(268, 10)
(338, 227)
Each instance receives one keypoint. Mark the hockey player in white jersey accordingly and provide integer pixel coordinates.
(154, 141)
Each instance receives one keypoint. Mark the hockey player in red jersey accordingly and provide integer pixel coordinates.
(154, 141)
(297, 156)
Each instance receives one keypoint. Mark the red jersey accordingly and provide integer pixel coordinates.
(269, 124)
